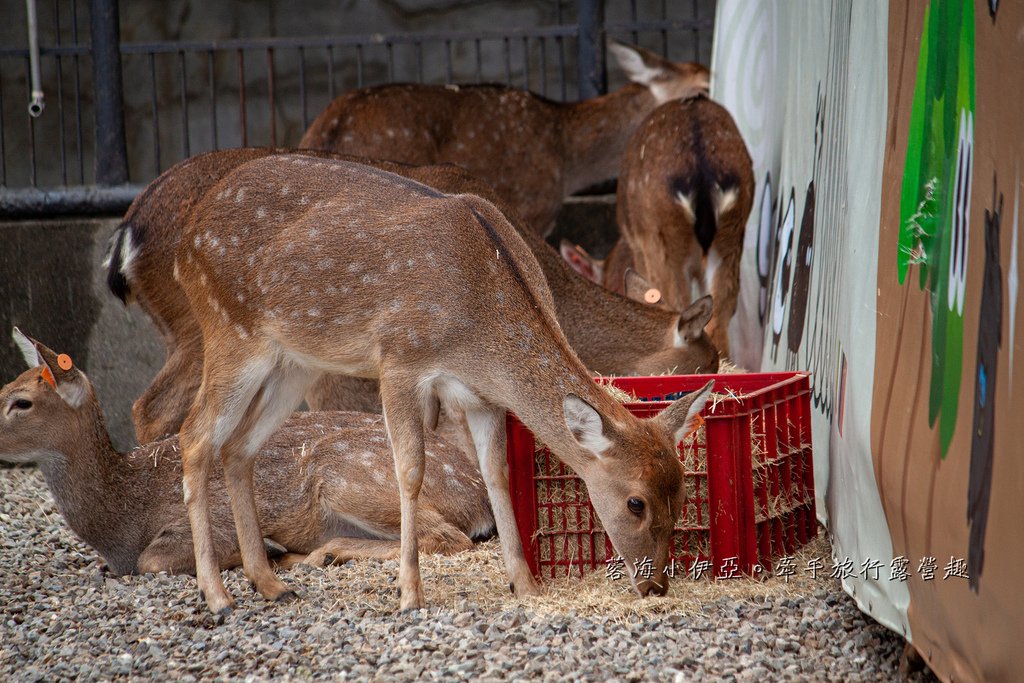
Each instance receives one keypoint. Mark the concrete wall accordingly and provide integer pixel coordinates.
(54, 290)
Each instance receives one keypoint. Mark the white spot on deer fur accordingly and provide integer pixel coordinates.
(240, 331)
(261, 212)
(197, 241)
(176, 272)
(240, 195)
(313, 312)
(251, 260)
(687, 205)
(313, 232)
(449, 470)
(304, 199)
(330, 289)
(202, 279)
(285, 190)
(723, 200)
(411, 263)
(235, 241)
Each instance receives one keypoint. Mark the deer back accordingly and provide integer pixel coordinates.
(685, 191)
(533, 151)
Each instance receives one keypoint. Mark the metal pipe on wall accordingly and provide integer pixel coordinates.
(35, 104)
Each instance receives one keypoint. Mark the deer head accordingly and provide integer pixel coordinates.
(635, 479)
(41, 403)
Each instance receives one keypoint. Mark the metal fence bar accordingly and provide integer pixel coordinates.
(270, 97)
(31, 120)
(156, 114)
(242, 123)
(78, 96)
(212, 77)
(111, 148)
(186, 147)
(590, 55)
(61, 135)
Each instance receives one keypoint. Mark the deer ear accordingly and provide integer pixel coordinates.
(583, 263)
(693, 320)
(641, 66)
(585, 424)
(27, 346)
(637, 288)
(680, 417)
(69, 382)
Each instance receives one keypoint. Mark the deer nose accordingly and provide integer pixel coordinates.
(653, 587)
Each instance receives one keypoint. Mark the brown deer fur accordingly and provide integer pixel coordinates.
(533, 151)
(612, 335)
(348, 269)
(685, 190)
(325, 482)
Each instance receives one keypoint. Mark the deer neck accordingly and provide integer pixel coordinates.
(600, 324)
(595, 133)
(99, 495)
(550, 373)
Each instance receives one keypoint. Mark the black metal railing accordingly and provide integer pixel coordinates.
(120, 113)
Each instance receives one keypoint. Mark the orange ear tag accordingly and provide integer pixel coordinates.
(64, 361)
(48, 376)
(698, 422)
(652, 296)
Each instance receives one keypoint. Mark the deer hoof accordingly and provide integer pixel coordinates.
(287, 596)
(512, 587)
(328, 560)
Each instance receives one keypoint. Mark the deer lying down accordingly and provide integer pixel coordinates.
(685, 190)
(296, 266)
(325, 482)
(612, 335)
(533, 151)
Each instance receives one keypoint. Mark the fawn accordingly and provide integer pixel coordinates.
(612, 335)
(345, 268)
(533, 151)
(325, 482)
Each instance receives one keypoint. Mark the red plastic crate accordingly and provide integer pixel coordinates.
(748, 476)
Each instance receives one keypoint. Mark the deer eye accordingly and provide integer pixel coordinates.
(635, 505)
(22, 404)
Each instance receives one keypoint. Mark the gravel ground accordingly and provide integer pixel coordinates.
(62, 617)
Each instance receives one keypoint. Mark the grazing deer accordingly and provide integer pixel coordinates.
(612, 335)
(296, 266)
(325, 482)
(685, 191)
(533, 151)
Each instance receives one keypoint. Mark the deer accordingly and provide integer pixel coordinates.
(349, 269)
(533, 151)
(612, 335)
(685, 191)
(326, 485)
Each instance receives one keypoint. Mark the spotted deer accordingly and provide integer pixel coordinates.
(325, 482)
(533, 151)
(685, 190)
(296, 266)
(611, 335)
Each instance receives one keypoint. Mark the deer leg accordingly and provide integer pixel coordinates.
(435, 535)
(723, 280)
(171, 552)
(403, 419)
(278, 396)
(487, 426)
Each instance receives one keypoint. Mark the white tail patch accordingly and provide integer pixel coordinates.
(723, 200)
(687, 203)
